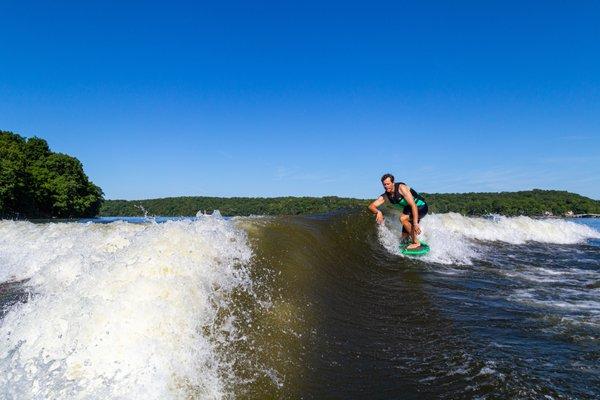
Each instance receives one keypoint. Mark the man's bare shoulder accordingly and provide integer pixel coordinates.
(403, 187)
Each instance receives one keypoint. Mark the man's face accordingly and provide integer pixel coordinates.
(388, 185)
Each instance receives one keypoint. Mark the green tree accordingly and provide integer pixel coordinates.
(35, 182)
(13, 178)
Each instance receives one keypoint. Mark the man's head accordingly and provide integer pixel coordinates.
(388, 182)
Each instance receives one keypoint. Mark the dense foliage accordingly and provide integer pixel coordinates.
(36, 182)
(531, 202)
(176, 206)
(535, 202)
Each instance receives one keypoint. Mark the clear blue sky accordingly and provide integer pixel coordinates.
(187, 98)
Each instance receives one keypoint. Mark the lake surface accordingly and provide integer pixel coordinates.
(299, 307)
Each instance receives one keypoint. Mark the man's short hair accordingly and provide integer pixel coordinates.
(384, 177)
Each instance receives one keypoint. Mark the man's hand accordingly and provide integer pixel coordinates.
(373, 207)
(417, 229)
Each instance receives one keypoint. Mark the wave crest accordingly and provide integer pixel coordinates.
(119, 310)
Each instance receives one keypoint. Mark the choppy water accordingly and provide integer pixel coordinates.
(299, 307)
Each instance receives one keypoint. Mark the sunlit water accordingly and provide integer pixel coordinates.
(299, 307)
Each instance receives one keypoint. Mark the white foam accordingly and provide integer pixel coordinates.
(446, 247)
(453, 237)
(120, 311)
(560, 298)
(514, 230)
(566, 276)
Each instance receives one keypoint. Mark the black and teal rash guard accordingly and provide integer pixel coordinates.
(399, 201)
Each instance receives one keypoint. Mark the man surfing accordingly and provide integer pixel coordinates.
(412, 204)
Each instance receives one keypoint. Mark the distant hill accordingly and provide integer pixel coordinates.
(533, 202)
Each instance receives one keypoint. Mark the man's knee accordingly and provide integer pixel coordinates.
(404, 218)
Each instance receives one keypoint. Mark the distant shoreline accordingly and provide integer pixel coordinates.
(162, 218)
(568, 216)
(533, 203)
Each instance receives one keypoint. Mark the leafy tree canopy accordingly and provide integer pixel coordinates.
(36, 182)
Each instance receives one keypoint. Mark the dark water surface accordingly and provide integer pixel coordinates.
(519, 321)
(327, 309)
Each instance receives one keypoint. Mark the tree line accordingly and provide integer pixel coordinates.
(186, 206)
(533, 203)
(38, 183)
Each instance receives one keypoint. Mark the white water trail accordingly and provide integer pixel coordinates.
(453, 237)
(513, 230)
(119, 310)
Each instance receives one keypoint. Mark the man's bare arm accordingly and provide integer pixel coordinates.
(373, 207)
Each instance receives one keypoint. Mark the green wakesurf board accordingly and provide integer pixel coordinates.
(419, 251)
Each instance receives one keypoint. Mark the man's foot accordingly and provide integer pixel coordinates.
(413, 246)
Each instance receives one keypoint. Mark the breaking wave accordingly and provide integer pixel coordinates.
(118, 310)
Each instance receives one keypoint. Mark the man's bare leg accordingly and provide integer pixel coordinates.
(415, 242)
(405, 235)
(405, 238)
(405, 220)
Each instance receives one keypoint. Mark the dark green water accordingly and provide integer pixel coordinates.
(517, 321)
